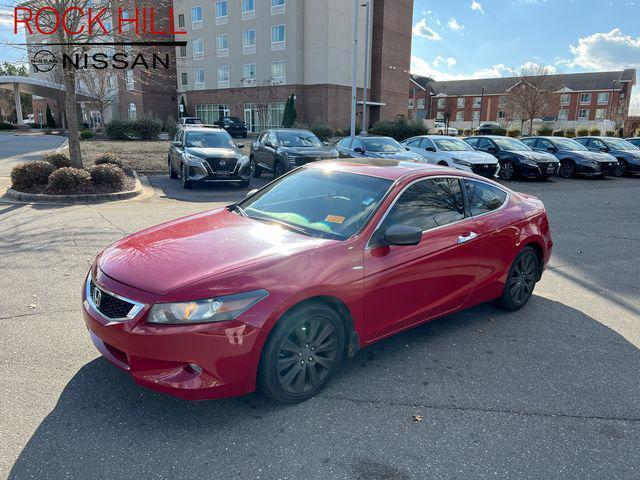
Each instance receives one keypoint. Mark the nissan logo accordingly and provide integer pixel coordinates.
(96, 296)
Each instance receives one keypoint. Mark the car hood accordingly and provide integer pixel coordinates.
(212, 152)
(627, 154)
(474, 157)
(175, 254)
(593, 156)
(310, 151)
(396, 156)
(537, 156)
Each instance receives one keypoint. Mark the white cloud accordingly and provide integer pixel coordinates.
(437, 61)
(454, 25)
(451, 61)
(421, 30)
(475, 5)
(6, 17)
(606, 51)
(420, 66)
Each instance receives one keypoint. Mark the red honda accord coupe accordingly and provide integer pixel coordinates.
(277, 290)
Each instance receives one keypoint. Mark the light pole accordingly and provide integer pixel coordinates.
(354, 66)
(365, 119)
(613, 92)
(481, 105)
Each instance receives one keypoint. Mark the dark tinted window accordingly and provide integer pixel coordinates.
(213, 139)
(345, 142)
(426, 143)
(357, 144)
(414, 142)
(544, 144)
(483, 198)
(298, 138)
(472, 141)
(484, 143)
(428, 204)
(530, 142)
(595, 143)
(582, 141)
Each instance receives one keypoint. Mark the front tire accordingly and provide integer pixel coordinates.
(302, 354)
(186, 183)
(522, 279)
(622, 168)
(256, 171)
(172, 173)
(567, 169)
(278, 170)
(507, 170)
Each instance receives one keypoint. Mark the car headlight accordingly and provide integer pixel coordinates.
(192, 160)
(219, 309)
(461, 162)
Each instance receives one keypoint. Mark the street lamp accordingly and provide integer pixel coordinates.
(354, 66)
(481, 106)
(367, 5)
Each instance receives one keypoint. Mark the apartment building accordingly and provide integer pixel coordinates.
(594, 99)
(244, 58)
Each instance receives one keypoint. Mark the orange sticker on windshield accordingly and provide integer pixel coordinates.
(335, 219)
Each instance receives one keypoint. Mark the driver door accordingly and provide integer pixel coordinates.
(408, 285)
(430, 154)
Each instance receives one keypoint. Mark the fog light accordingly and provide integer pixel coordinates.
(194, 368)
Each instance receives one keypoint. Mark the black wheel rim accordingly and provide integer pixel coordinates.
(523, 279)
(307, 355)
(507, 171)
(566, 170)
(278, 170)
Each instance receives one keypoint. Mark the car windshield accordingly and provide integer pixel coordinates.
(379, 144)
(619, 144)
(451, 145)
(209, 140)
(298, 139)
(567, 144)
(233, 119)
(319, 202)
(193, 121)
(511, 144)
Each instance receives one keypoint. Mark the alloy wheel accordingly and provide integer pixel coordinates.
(523, 278)
(507, 171)
(621, 169)
(307, 355)
(566, 170)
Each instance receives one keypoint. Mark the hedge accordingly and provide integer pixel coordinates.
(142, 129)
(400, 129)
(31, 174)
(108, 175)
(514, 133)
(57, 159)
(107, 158)
(68, 179)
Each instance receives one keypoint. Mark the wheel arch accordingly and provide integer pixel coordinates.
(537, 247)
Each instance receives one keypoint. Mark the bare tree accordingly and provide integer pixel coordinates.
(447, 113)
(263, 95)
(102, 86)
(533, 93)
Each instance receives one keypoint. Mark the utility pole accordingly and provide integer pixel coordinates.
(354, 67)
(365, 112)
(481, 106)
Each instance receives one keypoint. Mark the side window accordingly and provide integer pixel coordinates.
(529, 142)
(426, 143)
(483, 198)
(483, 143)
(263, 137)
(357, 144)
(414, 143)
(472, 141)
(582, 141)
(273, 138)
(428, 204)
(544, 144)
(595, 143)
(345, 143)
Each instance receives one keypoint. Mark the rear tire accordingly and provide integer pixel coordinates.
(256, 171)
(278, 170)
(521, 281)
(172, 173)
(303, 352)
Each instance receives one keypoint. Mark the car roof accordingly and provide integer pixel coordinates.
(291, 130)
(385, 168)
(204, 128)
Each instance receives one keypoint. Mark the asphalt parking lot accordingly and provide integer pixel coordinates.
(547, 392)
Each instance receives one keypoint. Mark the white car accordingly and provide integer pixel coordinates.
(441, 129)
(454, 153)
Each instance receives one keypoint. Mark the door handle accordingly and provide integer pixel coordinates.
(467, 238)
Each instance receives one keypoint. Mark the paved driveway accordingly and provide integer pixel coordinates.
(22, 148)
(547, 392)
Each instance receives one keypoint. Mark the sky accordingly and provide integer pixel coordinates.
(457, 39)
(460, 39)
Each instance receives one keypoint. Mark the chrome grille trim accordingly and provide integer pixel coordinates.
(135, 310)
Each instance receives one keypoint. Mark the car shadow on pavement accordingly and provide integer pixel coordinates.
(209, 192)
(546, 363)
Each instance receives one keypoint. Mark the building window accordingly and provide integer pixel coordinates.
(279, 72)
(475, 116)
(440, 116)
(181, 20)
(133, 114)
(603, 98)
(502, 114)
(248, 42)
(223, 76)
(421, 104)
(459, 116)
(198, 48)
(601, 113)
(258, 119)
(198, 78)
(129, 80)
(565, 99)
(502, 100)
(563, 114)
(196, 17)
(278, 37)
(221, 12)
(183, 51)
(278, 7)
(441, 102)
(477, 102)
(248, 9)
(461, 102)
(185, 79)
(583, 114)
(585, 98)
(222, 45)
(411, 104)
(249, 74)
(212, 113)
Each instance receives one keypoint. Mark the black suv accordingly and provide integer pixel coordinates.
(489, 129)
(233, 125)
(205, 154)
(627, 153)
(280, 150)
(516, 159)
(575, 159)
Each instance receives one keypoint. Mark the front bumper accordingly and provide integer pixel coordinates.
(205, 172)
(540, 170)
(485, 170)
(193, 362)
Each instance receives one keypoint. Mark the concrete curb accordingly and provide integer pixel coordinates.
(97, 198)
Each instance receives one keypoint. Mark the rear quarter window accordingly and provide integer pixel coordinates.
(484, 198)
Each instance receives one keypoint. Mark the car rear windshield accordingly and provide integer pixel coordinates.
(382, 145)
(319, 202)
(568, 144)
(213, 139)
(451, 145)
(619, 144)
(511, 144)
(298, 139)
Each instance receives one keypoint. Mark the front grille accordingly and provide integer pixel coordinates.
(108, 305)
(608, 167)
(222, 164)
(484, 170)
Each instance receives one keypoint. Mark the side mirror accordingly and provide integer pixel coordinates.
(251, 192)
(240, 145)
(407, 149)
(177, 144)
(358, 150)
(402, 235)
(430, 149)
(268, 144)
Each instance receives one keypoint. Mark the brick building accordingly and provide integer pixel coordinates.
(599, 99)
(245, 57)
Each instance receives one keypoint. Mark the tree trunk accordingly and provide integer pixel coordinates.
(531, 127)
(70, 105)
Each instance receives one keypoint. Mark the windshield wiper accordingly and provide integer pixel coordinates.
(237, 208)
(282, 223)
